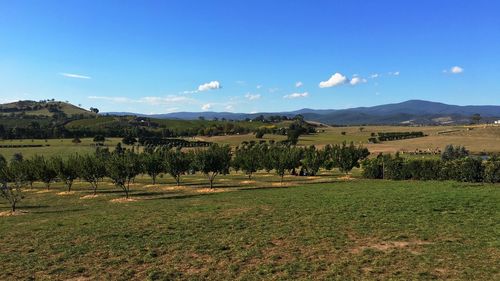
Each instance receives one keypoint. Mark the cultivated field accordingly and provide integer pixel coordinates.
(252, 230)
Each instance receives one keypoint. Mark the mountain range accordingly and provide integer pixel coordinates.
(409, 112)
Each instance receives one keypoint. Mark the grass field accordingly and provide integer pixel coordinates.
(245, 230)
(476, 139)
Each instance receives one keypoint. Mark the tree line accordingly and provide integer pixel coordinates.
(122, 166)
(464, 169)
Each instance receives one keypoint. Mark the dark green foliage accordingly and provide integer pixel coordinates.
(349, 156)
(283, 158)
(153, 164)
(10, 185)
(129, 140)
(248, 158)
(492, 170)
(92, 169)
(44, 170)
(67, 169)
(213, 161)
(452, 153)
(99, 139)
(122, 169)
(313, 160)
(389, 136)
(177, 163)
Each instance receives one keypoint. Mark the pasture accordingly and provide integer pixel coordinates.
(324, 227)
(478, 139)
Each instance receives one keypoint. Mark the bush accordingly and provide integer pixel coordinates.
(492, 171)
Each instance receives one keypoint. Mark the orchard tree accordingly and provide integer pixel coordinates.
(67, 169)
(10, 189)
(129, 140)
(248, 158)
(45, 170)
(153, 164)
(349, 156)
(122, 169)
(284, 158)
(177, 163)
(313, 160)
(213, 161)
(92, 169)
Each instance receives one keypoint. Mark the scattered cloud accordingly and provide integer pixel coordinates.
(454, 70)
(229, 107)
(357, 80)
(252, 97)
(336, 80)
(77, 76)
(213, 85)
(206, 107)
(299, 84)
(168, 100)
(395, 73)
(375, 75)
(296, 95)
(258, 86)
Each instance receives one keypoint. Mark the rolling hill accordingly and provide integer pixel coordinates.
(408, 112)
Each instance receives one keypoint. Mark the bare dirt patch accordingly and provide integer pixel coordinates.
(65, 193)
(247, 182)
(413, 246)
(44, 191)
(123, 200)
(90, 196)
(12, 214)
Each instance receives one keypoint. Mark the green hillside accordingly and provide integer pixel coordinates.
(47, 108)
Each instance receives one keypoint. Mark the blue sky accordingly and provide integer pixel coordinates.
(249, 56)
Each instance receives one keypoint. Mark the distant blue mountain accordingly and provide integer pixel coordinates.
(408, 112)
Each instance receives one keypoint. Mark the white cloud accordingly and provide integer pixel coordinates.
(374, 75)
(395, 73)
(336, 80)
(299, 84)
(252, 97)
(78, 76)
(229, 107)
(259, 86)
(357, 80)
(296, 95)
(206, 107)
(213, 85)
(456, 70)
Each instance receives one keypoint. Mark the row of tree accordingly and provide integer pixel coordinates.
(123, 166)
(466, 169)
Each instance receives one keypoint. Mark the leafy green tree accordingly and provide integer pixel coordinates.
(92, 169)
(10, 189)
(45, 170)
(177, 163)
(313, 160)
(153, 164)
(122, 169)
(492, 170)
(129, 140)
(99, 139)
(67, 169)
(248, 158)
(213, 161)
(349, 156)
(284, 158)
(454, 152)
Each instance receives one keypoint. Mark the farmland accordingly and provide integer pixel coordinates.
(344, 229)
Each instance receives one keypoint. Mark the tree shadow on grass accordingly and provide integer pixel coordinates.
(59, 211)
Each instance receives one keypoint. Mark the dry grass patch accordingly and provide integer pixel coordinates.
(123, 200)
(90, 196)
(413, 246)
(64, 193)
(11, 214)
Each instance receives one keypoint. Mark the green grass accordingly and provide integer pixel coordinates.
(342, 230)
